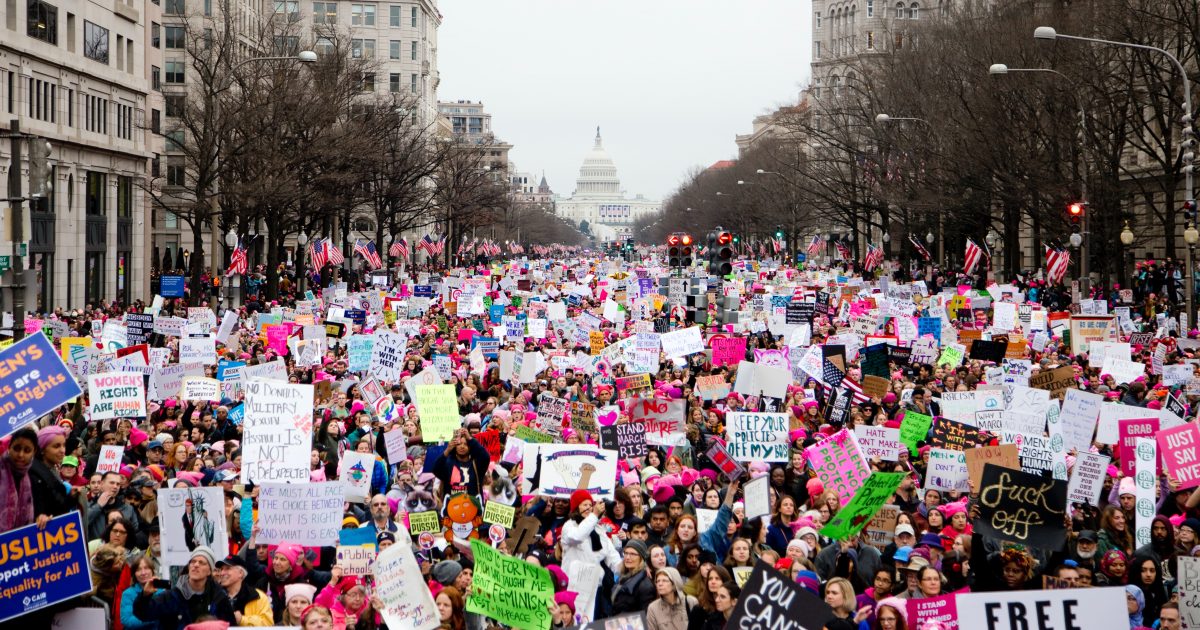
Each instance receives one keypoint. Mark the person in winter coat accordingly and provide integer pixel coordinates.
(143, 572)
(289, 565)
(346, 598)
(194, 595)
(715, 539)
(635, 588)
(673, 610)
(251, 607)
(581, 540)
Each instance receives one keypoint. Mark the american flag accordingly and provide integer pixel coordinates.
(367, 249)
(332, 253)
(843, 251)
(924, 253)
(399, 249)
(815, 246)
(237, 261)
(779, 245)
(1057, 261)
(430, 245)
(972, 257)
(873, 258)
(316, 253)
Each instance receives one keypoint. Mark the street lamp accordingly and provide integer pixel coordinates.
(1189, 140)
(886, 118)
(1190, 236)
(304, 56)
(929, 238)
(1127, 235)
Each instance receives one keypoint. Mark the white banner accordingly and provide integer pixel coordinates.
(277, 432)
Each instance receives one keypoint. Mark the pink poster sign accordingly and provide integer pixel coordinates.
(1129, 431)
(1180, 448)
(728, 350)
(839, 464)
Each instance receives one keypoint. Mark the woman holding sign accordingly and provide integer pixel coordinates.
(15, 486)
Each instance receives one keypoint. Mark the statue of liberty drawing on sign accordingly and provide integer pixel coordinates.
(198, 527)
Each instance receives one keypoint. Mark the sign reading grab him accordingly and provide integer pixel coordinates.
(1067, 609)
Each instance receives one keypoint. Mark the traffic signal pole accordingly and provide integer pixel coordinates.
(17, 219)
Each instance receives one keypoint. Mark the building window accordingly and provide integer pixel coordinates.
(155, 34)
(124, 114)
(413, 54)
(899, 41)
(362, 15)
(394, 82)
(175, 36)
(95, 42)
(324, 13)
(413, 17)
(175, 104)
(42, 22)
(175, 7)
(70, 107)
(412, 83)
(914, 11)
(817, 20)
(174, 142)
(290, 8)
(870, 8)
(156, 77)
(394, 15)
(325, 46)
(287, 45)
(870, 40)
(174, 72)
(124, 196)
(96, 202)
(394, 49)
(816, 50)
(360, 48)
(176, 173)
(368, 82)
(155, 121)
(899, 10)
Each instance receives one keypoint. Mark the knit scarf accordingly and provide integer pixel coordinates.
(14, 482)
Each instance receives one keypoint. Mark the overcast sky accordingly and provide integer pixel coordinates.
(669, 82)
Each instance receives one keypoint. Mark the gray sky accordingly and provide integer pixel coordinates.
(670, 82)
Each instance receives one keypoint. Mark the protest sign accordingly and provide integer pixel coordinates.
(277, 429)
(1180, 457)
(202, 513)
(1056, 381)
(871, 496)
(355, 471)
(109, 459)
(399, 585)
(914, 427)
(955, 436)
(1020, 507)
(940, 609)
(663, 420)
(627, 438)
(1188, 577)
(117, 395)
(947, 470)
(355, 559)
(200, 388)
(1146, 479)
(509, 590)
(713, 387)
(680, 343)
(201, 350)
(550, 413)
(308, 514)
(1087, 478)
(387, 356)
(1077, 419)
(757, 436)
(728, 350)
(567, 467)
(397, 446)
(1068, 609)
(1129, 431)
(359, 349)
(770, 599)
(426, 521)
(839, 464)
(139, 327)
(25, 396)
(879, 442)
(881, 529)
(724, 463)
(496, 513)
(756, 495)
(439, 412)
(45, 565)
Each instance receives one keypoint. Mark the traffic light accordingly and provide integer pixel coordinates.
(778, 232)
(720, 253)
(1189, 212)
(685, 241)
(673, 250)
(1075, 214)
(40, 179)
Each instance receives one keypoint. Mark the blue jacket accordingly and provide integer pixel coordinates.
(715, 539)
(130, 621)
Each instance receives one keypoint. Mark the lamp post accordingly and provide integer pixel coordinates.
(888, 118)
(301, 277)
(233, 284)
(999, 69)
(304, 56)
(1127, 241)
(1190, 236)
(1189, 134)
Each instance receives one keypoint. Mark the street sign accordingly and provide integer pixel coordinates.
(5, 263)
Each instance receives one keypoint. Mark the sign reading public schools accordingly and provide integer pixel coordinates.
(41, 567)
(33, 381)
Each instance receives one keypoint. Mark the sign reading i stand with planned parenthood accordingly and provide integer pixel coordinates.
(33, 381)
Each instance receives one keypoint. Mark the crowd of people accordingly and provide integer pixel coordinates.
(670, 538)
